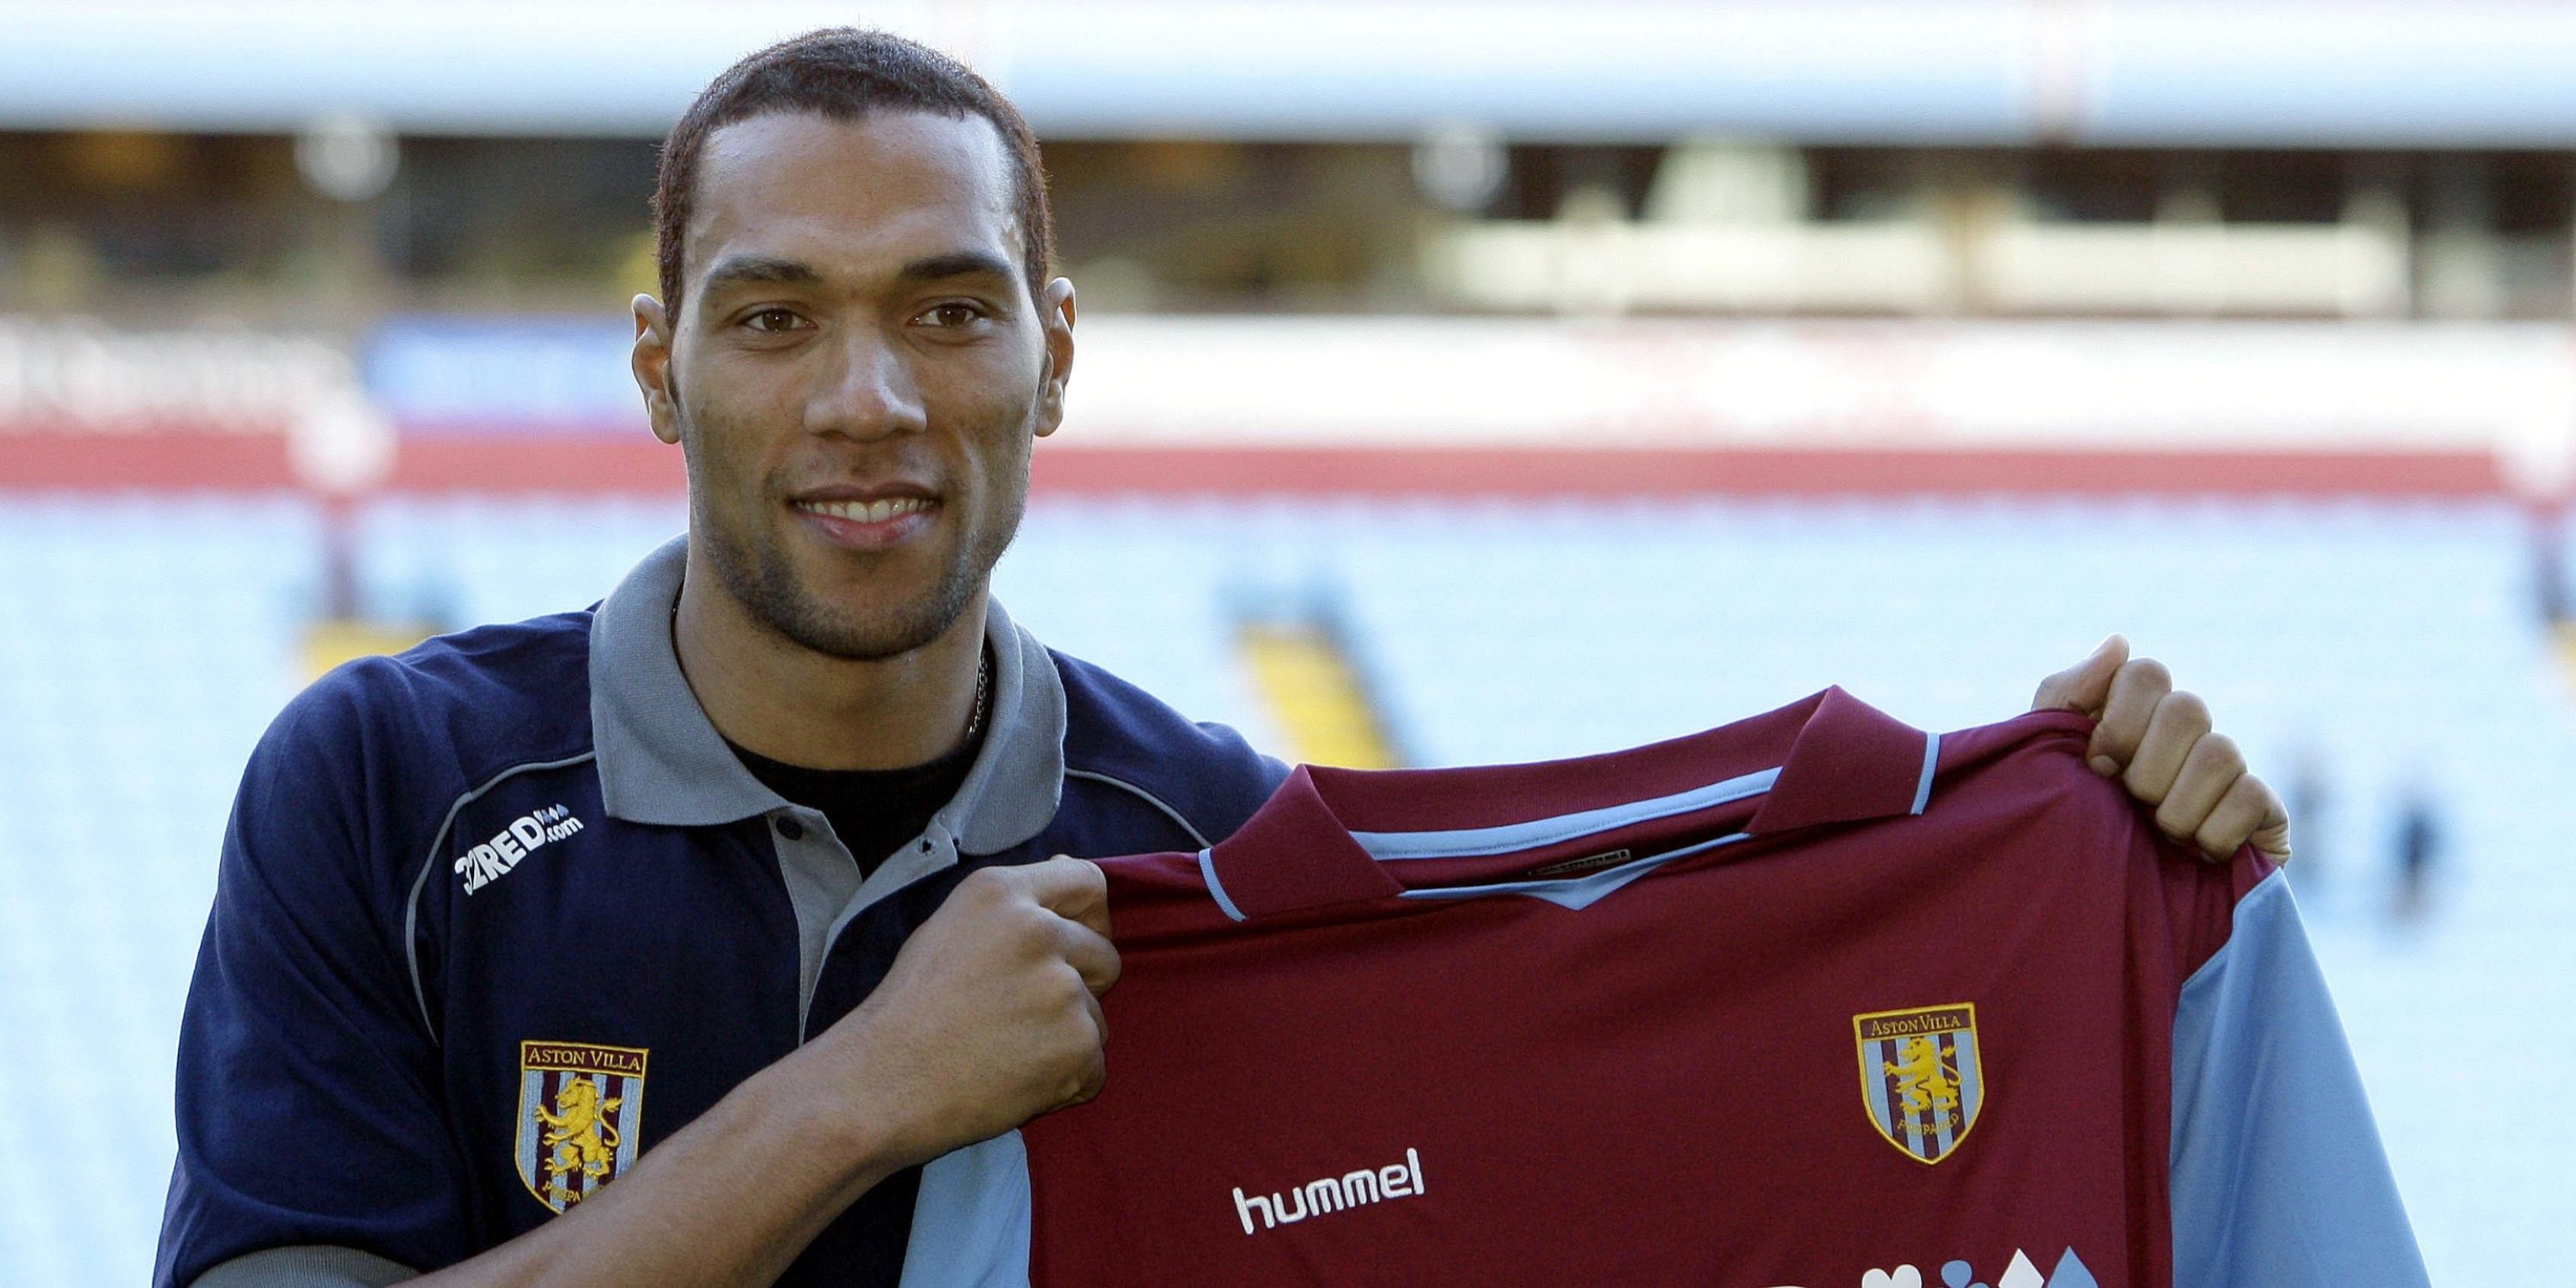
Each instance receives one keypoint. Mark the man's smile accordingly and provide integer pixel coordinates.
(869, 522)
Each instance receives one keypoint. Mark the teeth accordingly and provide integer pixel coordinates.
(867, 511)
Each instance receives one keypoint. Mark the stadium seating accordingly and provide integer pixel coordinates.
(147, 640)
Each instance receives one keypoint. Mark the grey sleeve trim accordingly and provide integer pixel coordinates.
(1147, 797)
(1207, 875)
(429, 863)
(312, 1266)
(1931, 763)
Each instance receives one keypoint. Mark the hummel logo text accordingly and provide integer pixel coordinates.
(1331, 1194)
(494, 858)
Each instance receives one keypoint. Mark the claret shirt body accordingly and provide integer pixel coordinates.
(1813, 999)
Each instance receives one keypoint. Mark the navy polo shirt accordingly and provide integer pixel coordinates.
(496, 915)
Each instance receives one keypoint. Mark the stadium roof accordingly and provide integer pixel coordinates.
(2327, 73)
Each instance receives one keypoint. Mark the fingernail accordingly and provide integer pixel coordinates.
(2104, 765)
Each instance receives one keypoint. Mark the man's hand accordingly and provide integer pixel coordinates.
(990, 1015)
(2158, 741)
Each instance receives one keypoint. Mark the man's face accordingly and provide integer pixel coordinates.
(857, 372)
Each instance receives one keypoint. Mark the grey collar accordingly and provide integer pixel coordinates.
(661, 762)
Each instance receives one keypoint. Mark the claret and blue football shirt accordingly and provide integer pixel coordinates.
(1813, 999)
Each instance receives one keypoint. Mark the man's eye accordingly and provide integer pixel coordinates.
(772, 320)
(954, 315)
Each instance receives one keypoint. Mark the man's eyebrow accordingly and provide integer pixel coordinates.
(960, 263)
(741, 270)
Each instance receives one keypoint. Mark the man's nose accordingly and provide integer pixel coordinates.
(866, 391)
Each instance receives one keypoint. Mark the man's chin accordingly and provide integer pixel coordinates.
(831, 628)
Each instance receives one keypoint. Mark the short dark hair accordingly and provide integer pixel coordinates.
(844, 73)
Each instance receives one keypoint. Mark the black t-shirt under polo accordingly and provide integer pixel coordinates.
(872, 810)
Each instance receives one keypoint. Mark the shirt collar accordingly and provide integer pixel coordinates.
(1836, 759)
(662, 762)
(1848, 763)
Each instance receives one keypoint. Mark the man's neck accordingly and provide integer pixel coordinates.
(776, 697)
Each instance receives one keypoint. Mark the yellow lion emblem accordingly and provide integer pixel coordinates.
(1921, 1078)
(578, 1132)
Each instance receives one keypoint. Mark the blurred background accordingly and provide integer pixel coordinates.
(1459, 383)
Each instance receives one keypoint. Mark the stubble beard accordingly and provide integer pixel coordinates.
(754, 567)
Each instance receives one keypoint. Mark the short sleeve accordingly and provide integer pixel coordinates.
(971, 1219)
(308, 1092)
(2278, 1178)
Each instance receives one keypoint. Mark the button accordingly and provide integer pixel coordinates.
(790, 828)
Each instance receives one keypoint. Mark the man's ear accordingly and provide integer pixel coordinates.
(1055, 317)
(651, 363)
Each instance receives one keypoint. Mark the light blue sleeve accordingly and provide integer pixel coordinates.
(970, 1222)
(2278, 1175)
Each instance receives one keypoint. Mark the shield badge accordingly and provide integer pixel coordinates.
(1919, 1077)
(579, 1107)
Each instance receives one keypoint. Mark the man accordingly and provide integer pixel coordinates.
(749, 864)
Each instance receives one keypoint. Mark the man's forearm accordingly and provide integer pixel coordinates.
(731, 1199)
(987, 1018)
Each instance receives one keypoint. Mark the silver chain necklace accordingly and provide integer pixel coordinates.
(983, 683)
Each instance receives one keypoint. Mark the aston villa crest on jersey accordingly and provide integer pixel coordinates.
(1919, 1077)
(580, 1106)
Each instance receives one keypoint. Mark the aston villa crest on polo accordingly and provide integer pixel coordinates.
(580, 1106)
(1919, 1077)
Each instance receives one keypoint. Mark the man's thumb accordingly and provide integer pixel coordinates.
(2085, 686)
